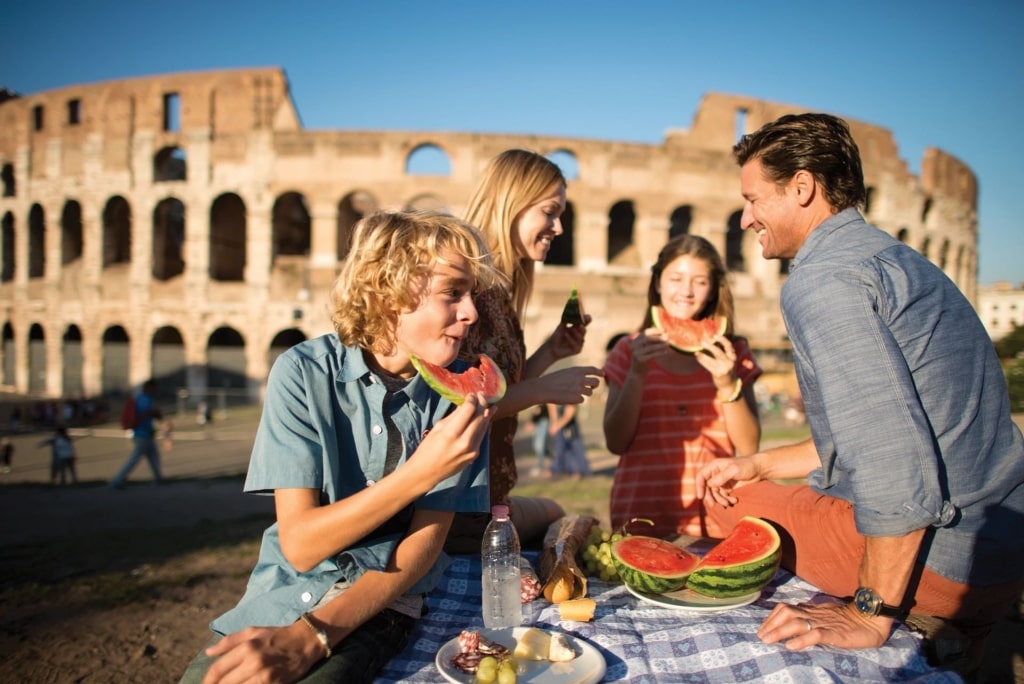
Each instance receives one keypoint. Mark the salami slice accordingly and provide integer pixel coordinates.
(467, 661)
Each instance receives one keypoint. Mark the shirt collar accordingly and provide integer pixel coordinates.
(354, 368)
(824, 231)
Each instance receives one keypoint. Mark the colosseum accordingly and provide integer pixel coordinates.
(186, 227)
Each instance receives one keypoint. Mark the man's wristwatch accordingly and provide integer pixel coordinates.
(870, 604)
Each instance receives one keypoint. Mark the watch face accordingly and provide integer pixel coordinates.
(867, 601)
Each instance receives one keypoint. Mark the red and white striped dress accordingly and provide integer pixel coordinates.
(681, 427)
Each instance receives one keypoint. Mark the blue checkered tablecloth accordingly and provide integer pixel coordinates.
(645, 644)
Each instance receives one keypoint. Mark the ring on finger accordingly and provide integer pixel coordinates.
(809, 627)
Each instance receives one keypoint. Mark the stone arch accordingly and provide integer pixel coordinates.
(225, 360)
(903, 235)
(117, 232)
(36, 359)
(943, 254)
(926, 248)
(563, 247)
(734, 258)
(567, 162)
(170, 164)
(168, 356)
(36, 242)
(7, 340)
(926, 209)
(282, 342)
(7, 248)
(428, 159)
(115, 377)
(168, 239)
(291, 226)
(71, 362)
(680, 220)
(427, 202)
(352, 207)
(7, 178)
(227, 238)
(71, 239)
(621, 225)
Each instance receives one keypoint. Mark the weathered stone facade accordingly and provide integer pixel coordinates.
(186, 226)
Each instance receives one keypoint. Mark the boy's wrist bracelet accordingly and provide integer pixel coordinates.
(736, 392)
(320, 634)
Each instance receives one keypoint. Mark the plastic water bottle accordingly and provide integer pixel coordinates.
(501, 580)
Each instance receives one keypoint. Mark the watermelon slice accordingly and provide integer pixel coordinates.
(485, 377)
(651, 565)
(687, 334)
(572, 314)
(742, 563)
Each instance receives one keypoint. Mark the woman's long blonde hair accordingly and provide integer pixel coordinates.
(390, 251)
(512, 181)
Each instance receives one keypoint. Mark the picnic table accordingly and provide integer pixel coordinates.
(643, 642)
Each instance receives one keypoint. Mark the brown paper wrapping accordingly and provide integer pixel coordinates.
(563, 580)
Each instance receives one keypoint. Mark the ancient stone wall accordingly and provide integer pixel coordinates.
(186, 226)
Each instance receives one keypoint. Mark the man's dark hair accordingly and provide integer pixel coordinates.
(818, 143)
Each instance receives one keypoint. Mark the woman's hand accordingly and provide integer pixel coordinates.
(568, 341)
(718, 478)
(569, 385)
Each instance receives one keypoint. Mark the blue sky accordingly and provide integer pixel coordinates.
(938, 73)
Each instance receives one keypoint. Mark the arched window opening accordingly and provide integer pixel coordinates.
(7, 248)
(168, 355)
(117, 232)
(169, 164)
(225, 354)
(71, 244)
(71, 359)
(291, 226)
(679, 221)
(734, 260)
(282, 342)
(427, 202)
(7, 178)
(428, 160)
(621, 220)
(9, 356)
(903, 235)
(115, 366)
(869, 199)
(36, 242)
(351, 209)
(227, 238)
(168, 239)
(567, 162)
(36, 359)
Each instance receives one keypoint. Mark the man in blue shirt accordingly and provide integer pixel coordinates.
(915, 494)
(367, 464)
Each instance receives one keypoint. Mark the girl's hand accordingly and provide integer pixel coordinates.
(719, 359)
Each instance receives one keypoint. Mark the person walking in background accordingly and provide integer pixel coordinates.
(539, 423)
(6, 453)
(143, 437)
(568, 451)
(915, 469)
(518, 204)
(62, 457)
(366, 463)
(669, 412)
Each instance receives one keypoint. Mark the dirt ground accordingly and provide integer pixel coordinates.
(118, 586)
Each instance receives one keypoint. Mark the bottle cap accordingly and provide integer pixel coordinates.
(499, 511)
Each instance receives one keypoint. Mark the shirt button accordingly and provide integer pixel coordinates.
(306, 597)
(369, 483)
(377, 429)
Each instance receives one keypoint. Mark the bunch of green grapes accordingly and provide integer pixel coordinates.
(492, 671)
(597, 554)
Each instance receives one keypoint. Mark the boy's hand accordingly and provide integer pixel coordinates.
(454, 441)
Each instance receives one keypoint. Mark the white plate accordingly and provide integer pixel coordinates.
(586, 668)
(686, 599)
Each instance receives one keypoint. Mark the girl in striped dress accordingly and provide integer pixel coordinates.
(668, 412)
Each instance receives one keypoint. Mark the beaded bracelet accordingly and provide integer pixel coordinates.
(321, 635)
(737, 391)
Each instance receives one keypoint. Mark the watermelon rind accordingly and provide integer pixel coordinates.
(651, 565)
(686, 334)
(724, 572)
(485, 377)
(572, 313)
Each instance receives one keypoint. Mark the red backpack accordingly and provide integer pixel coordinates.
(128, 419)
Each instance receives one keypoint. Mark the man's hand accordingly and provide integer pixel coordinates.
(264, 654)
(834, 624)
(718, 478)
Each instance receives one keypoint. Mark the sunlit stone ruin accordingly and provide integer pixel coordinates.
(186, 226)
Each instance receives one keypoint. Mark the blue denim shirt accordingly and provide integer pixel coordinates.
(323, 428)
(906, 401)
